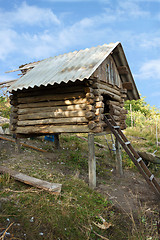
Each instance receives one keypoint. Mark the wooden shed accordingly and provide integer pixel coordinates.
(72, 92)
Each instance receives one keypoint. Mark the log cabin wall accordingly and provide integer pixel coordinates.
(71, 107)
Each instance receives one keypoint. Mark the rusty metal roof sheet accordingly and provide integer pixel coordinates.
(77, 65)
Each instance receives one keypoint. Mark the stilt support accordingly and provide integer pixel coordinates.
(119, 168)
(56, 141)
(91, 161)
(17, 145)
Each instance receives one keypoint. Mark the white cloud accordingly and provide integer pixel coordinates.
(29, 15)
(149, 70)
(8, 43)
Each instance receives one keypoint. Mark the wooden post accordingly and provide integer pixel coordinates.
(17, 145)
(91, 161)
(56, 141)
(118, 158)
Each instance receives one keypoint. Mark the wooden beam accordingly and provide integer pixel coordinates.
(123, 70)
(91, 161)
(127, 85)
(56, 141)
(50, 129)
(118, 156)
(51, 187)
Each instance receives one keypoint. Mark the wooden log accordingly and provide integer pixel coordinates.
(123, 70)
(99, 118)
(116, 118)
(52, 97)
(88, 90)
(44, 115)
(91, 161)
(100, 85)
(89, 115)
(123, 96)
(35, 182)
(115, 112)
(149, 157)
(99, 111)
(113, 96)
(73, 120)
(56, 103)
(109, 102)
(98, 98)
(111, 107)
(51, 91)
(127, 85)
(89, 95)
(123, 91)
(99, 105)
(14, 102)
(92, 125)
(50, 129)
(98, 129)
(55, 109)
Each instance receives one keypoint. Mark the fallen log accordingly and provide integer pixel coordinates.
(23, 144)
(55, 188)
(149, 157)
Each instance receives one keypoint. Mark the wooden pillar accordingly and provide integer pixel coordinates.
(17, 145)
(56, 141)
(91, 161)
(118, 158)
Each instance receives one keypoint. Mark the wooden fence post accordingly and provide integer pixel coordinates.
(56, 141)
(91, 161)
(17, 145)
(118, 157)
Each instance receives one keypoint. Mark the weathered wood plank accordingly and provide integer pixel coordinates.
(51, 97)
(44, 115)
(51, 90)
(91, 161)
(56, 103)
(73, 120)
(49, 129)
(53, 109)
(51, 187)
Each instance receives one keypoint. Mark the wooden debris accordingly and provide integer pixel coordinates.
(55, 188)
(149, 157)
(23, 144)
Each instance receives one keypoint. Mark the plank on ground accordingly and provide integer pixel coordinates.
(51, 187)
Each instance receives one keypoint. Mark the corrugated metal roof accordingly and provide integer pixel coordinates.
(78, 65)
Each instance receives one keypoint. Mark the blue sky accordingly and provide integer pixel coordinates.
(34, 30)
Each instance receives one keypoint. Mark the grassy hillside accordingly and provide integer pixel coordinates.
(78, 212)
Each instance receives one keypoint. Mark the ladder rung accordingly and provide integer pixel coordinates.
(151, 177)
(127, 143)
(116, 127)
(139, 159)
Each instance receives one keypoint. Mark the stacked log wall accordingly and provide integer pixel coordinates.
(115, 101)
(66, 108)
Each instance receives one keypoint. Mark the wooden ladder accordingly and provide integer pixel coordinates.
(137, 160)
